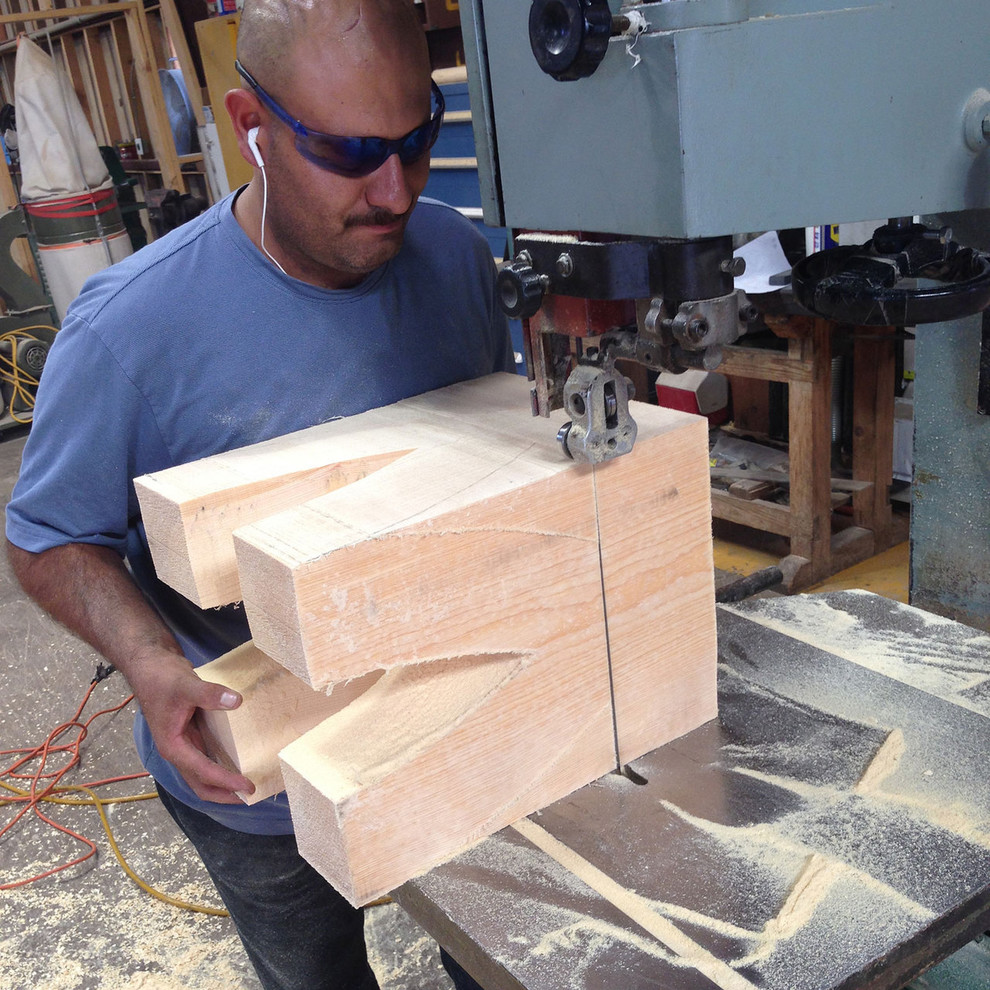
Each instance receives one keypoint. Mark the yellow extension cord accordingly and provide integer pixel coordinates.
(11, 373)
(93, 800)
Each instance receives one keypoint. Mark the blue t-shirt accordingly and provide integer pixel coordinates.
(197, 344)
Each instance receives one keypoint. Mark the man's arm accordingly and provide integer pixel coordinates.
(88, 589)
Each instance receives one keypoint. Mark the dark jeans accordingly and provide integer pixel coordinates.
(299, 933)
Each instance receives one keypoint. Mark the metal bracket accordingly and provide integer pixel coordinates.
(597, 398)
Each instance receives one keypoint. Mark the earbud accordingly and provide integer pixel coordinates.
(252, 139)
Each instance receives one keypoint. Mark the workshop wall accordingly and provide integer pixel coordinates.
(137, 82)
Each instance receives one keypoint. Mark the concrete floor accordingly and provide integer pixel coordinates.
(90, 926)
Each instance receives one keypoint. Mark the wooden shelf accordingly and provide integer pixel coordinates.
(111, 53)
(820, 548)
(139, 166)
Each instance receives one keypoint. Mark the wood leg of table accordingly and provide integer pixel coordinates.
(873, 430)
(809, 410)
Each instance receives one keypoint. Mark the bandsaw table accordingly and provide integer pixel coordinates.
(831, 829)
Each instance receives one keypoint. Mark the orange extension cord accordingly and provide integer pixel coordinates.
(42, 786)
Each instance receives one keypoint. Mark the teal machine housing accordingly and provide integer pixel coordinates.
(689, 121)
(734, 116)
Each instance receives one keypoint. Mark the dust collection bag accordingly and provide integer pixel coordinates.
(65, 186)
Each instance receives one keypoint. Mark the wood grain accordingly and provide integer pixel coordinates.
(507, 601)
(276, 709)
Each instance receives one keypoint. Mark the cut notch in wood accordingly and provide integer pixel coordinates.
(190, 521)
(484, 541)
(276, 709)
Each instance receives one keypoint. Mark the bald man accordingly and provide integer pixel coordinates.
(323, 288)
(366, 72)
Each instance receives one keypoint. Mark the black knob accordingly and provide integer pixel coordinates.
(569, 37)
(520, 290)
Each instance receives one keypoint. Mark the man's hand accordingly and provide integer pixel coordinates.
(88, 589)
(170, 692)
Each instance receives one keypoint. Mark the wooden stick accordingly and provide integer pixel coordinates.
(79, 10)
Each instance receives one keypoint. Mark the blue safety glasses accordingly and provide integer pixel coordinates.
(354, 156)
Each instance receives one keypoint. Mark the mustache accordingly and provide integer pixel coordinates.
(377, 217)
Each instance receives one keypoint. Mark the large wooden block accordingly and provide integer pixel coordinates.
(276, 709)
(190, 515)
(537, 621)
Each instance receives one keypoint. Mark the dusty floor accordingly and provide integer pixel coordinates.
(91, 926)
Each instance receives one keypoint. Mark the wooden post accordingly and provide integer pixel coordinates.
(810, 433)
(102, 90)
(873, 429)
(120, 39)
(160, 132)
(173, 25)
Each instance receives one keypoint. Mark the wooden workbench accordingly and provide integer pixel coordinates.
(831, 829)
(806, 367)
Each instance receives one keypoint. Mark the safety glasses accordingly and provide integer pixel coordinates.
(355, 156)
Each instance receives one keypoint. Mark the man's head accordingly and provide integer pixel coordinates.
(352, 68)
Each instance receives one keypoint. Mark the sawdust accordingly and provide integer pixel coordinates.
(837, 887)
(928, 651)
(115, 937)
(818, 878)
(866, 857)
(885, 763)
(112, 936)
(808, 892)
(637, 908)
(557, 937)
(401, 954)
(566, 936)
(566, 940)
(592, 937)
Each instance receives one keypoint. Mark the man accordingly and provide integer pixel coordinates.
(314, 292)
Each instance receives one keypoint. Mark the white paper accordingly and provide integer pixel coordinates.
(764, 258)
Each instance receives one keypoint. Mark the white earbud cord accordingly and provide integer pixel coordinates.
(264, 212)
